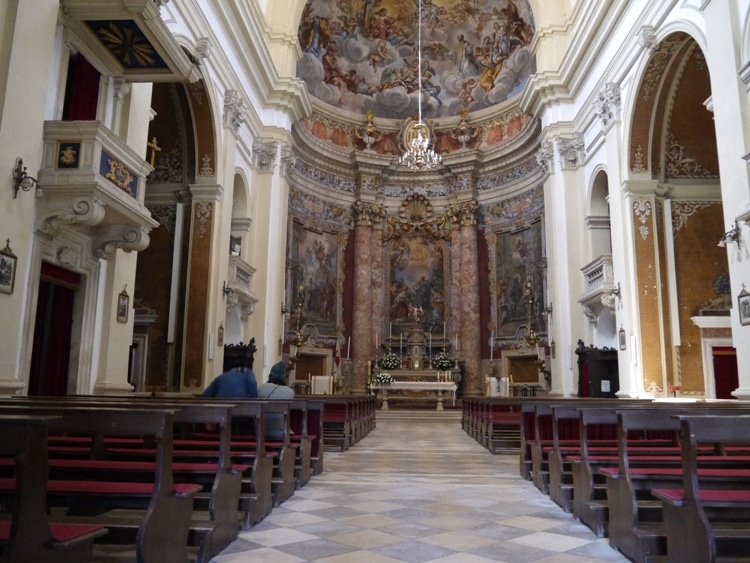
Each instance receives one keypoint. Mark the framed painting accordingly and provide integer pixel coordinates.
(416, 283)
(314, 276)
(8, 262)
(743, 306)
(123, 305)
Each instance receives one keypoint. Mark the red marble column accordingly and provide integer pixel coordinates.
(363, 331)
(468, 276)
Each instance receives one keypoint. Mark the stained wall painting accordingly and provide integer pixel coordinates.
(362, 55)
(520, 281)
(314, 287)
(417, 282)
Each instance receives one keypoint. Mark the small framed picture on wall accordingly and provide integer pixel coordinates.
(743, 306)
(7, 269)
(123, 305)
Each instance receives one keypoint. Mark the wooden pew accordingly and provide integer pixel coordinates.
(716, 520)
(635, 517)
(227, 487)
(28, 534)
(161, 533)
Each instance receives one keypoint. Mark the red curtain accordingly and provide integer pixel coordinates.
(82, 91)
(50, 356)
(725, 371)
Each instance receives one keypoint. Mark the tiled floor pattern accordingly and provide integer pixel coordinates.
(418, 489)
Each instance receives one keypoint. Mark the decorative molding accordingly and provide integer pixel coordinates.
(234, 110)
(589, 313)
(366, 213)
(166, 215)
(206, 170)
(609, 105)
(609, 300)
(203, 212)
(647, 38)
(681, 210)
(544, 157)
(416, 214)
(653, 388)
(125, 237)
(642, 209)
(572, 151)
(67, 256)
(264, 156)
(203, 48)
(639, 166)
(680, 163)
(287, 158)
(168, 169)
(85, 211)
(464, 213)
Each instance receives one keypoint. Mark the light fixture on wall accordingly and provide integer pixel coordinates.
(416, 136)
(733, 235)
(226, 290)
(22, 181)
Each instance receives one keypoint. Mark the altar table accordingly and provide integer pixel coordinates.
(438, 386)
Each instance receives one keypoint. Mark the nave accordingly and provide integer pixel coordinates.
(418, 489)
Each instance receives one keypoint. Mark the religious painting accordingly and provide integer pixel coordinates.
(520, 281)
(417, 286)
(314, 279)
(7, 269)
(362, 55)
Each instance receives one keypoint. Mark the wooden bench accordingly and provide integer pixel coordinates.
(26, 533)
(161, 532)
(716, 520)
(635, 517)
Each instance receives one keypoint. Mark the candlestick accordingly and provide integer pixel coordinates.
(492, 343)
(390, 330)
(377, 335)
(430, 344)
(401, 344)
(348, 347)
(443, 331)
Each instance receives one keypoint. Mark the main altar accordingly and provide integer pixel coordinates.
(415, 365)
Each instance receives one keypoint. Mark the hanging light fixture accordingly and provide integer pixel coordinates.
(416, 136)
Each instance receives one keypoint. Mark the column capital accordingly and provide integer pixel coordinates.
(572, 151)
(608, 105)
(234, 110)
(367, 213)
(464, 213)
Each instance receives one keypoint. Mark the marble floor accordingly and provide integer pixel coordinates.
(418, 489)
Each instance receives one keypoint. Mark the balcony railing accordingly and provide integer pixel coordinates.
(598, 278)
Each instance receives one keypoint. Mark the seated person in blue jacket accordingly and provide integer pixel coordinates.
(238, 382)
(275, 388)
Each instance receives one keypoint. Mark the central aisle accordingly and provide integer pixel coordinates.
(418, 489)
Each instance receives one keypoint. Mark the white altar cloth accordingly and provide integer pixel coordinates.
(438, 386)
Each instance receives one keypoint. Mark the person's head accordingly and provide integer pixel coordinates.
(277, 374)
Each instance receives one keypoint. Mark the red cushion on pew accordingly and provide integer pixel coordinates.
(709, 495)
(101, 487)
(136, 465)
(60, 532)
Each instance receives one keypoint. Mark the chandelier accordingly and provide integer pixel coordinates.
(416, 136)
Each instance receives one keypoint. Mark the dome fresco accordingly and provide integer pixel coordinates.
(361, 55)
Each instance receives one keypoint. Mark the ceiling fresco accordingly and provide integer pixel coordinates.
(361, 55)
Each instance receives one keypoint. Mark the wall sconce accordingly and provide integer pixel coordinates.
(22, 181)
(284, 310)
(548, 310)
(226, 290)
(733, 235)
(616, 290)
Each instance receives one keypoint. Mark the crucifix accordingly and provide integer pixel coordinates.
(154, 149)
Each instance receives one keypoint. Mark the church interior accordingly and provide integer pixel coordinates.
(424, 201)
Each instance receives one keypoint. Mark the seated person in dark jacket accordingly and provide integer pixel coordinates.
(238, 382)
(275, 388)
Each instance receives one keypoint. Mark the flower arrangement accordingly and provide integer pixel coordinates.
(389, 361)
(382, 379)
(442, 361)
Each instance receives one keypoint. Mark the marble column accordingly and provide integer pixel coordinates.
(468, 276)
(363, 335)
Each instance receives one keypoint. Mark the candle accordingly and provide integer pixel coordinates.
(348, 347)
(390, 330)
(492, 344)
(430, 343)
(443, 331)
(400, 343)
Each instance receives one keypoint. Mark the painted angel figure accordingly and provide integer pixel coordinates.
(416, 312)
